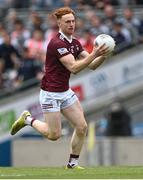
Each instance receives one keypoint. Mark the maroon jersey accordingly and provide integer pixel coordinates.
(56, 78)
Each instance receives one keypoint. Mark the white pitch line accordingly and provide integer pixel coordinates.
(3, 175)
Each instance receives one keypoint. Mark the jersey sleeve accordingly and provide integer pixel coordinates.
(60, 49)
(80, 47)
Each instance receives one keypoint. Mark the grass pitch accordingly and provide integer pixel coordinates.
(114, 172)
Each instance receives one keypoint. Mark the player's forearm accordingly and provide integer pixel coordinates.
(96, 62)
(82, 64)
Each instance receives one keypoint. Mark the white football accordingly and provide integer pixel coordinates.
(105, 39)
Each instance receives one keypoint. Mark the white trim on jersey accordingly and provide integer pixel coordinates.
(69, 40)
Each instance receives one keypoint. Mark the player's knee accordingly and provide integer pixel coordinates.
(54, 136)
(82, 129)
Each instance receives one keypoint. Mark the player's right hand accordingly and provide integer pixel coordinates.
(101, 50)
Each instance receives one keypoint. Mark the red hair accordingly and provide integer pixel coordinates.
(58, 13)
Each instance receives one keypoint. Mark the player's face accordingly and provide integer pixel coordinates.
(67, 24)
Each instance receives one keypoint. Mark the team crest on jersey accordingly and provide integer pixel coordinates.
(62, 51)
(77, 47)
(72, 49)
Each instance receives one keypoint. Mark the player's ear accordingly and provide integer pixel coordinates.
(58, 22)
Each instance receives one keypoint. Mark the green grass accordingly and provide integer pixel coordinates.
(112, 172)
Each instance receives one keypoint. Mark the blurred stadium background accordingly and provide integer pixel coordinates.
(112, 96)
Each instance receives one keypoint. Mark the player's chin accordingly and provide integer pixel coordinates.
(71, 31)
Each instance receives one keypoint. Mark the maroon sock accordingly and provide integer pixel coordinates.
(32, 121)
(73, 156)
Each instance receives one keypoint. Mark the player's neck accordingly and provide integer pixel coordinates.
(68, 37)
